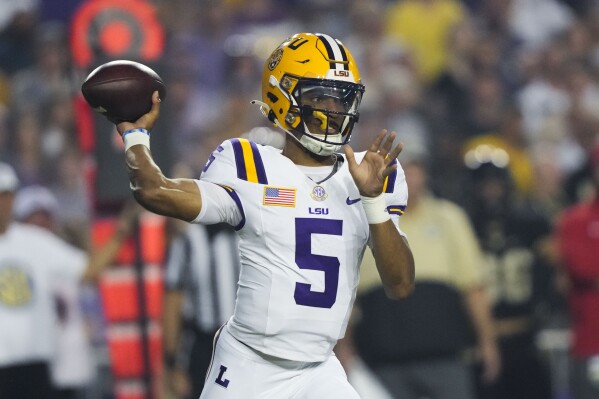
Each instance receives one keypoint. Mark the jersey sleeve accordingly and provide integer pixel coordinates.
(395, 189)
(221, 166)
(231, 164)
(220, 204)
(396, 193)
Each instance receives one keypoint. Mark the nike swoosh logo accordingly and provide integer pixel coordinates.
(350, 201)
(303, 61)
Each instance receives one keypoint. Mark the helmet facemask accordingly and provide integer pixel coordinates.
(327, 111)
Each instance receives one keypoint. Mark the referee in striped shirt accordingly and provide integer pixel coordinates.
(201, 277)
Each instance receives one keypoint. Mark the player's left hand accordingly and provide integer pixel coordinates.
(376, 165)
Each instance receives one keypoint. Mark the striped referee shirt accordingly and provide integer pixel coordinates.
(203, 262)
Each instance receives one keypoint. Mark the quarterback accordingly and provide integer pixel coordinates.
(304, 217)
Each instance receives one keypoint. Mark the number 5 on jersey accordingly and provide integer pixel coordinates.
(305, 259)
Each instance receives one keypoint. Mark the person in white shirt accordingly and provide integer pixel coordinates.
(304, 216)
(72, 366)
(33, 261)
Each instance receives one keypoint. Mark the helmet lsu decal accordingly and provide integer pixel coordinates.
(311, 89)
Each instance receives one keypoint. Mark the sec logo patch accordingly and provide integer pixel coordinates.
(318, 193)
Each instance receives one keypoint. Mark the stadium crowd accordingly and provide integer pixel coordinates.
(514, 84)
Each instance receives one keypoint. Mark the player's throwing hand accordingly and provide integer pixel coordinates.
(146, 121)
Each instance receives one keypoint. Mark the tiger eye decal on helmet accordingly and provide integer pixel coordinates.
(274, 59)
(323, 120)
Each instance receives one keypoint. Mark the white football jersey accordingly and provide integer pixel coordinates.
(301, 244)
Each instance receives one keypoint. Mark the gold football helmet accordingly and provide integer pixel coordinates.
(311, 89)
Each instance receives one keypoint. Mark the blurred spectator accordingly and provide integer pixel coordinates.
(536, 22)
(72, 367)
(448, 97)
(545, 94)
(424, 26)
(592, 22)
(17, 31)
(580, 42)
(401, 98)
(42, 339)
(417, 346)
(69, 187)
(548, 189)
(514, 238)
(394, 93)
(486, 104)
(499, 55)
(510, 138)
(196, 64)
(578, 240)
(27, 153)
(36, 86)
(58, 132)
(26, 306)
(579, 185)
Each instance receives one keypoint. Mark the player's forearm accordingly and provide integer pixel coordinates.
(171, 322)
(478, 308)
(145, 176)
(394, 260)
(101, 258)
(178, 198)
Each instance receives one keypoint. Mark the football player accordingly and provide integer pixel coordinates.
(304, 216)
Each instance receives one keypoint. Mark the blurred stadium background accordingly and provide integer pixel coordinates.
(446, 80)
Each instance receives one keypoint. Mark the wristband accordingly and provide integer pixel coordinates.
(376, 209)
(136, 136)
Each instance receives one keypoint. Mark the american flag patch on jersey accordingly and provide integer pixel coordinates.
(279, 196)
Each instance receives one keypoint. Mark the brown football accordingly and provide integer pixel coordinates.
(122, 90)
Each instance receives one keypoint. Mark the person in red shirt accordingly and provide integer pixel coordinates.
(578, 245)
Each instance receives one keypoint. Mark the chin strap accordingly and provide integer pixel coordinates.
(318, 147)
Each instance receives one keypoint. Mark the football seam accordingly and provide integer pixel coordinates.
(119, 79)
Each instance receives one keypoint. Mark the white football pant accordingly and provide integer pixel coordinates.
(239, 372)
